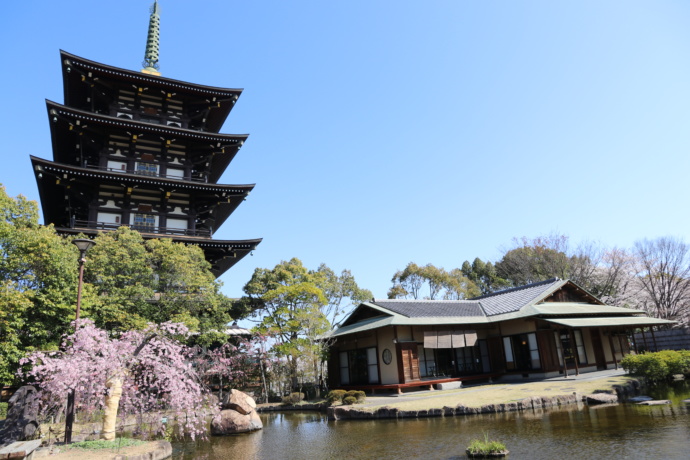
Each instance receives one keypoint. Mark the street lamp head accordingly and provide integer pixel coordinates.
(83, 244)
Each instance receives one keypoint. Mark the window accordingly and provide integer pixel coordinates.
(533, 351)
(144, 222)
(175, 173)
(109, 218)
(522, 352)
(580, 345)
(572, 349)
(427, 362)
(147, 169)
(372, 365)
(484, 356)
(344, 369)
(359, 366)
(508, 347)
(117, 166)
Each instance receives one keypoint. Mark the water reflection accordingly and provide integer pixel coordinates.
(617, 431)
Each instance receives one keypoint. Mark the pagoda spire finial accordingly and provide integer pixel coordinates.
(152, 42)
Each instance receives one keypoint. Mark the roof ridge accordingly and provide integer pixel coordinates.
(422, 300)
(518, 288)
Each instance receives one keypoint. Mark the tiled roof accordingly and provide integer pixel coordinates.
(512, 300)
(431, 308)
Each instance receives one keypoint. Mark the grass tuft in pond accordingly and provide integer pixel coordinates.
(486, 448)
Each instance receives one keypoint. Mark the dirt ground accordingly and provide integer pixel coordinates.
(102, 454)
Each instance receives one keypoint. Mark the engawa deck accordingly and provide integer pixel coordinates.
(427, 382)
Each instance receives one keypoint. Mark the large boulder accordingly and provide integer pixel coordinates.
(238, 415)
(230, 422)
(239, 401)
(22, 410)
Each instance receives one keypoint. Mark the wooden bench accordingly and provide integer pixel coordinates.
(20, 450)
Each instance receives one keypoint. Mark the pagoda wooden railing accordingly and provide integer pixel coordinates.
(165, 176)
(141, 228)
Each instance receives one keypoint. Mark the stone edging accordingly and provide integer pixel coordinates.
(534, 402)
(282, 407)
(162, 450)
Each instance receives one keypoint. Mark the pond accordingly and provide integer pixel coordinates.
(617, 431)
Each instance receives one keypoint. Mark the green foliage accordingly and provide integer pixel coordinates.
(3, 410)
(484, 276)
(536, 260)
(296, 303)
(293, 398)
(131, 282)
(659, 366)
(38, 274)
(349, 400)
(441, 283)
(345, 397)
(127, 283)
(335, 396)
(360, 396)
(485, 447)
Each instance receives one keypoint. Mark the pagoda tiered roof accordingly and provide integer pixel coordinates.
(53, 177)
(80, 74)
(221, 254)
(66, 122)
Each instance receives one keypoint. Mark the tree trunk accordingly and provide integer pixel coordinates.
(112, 402)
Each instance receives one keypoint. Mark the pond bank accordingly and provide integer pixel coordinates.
(484, 399)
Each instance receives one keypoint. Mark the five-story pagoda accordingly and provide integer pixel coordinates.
(139, 150)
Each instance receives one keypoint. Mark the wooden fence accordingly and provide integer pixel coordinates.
(672, 339)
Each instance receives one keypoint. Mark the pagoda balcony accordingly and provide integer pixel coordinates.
(176, 119)
(93, 225)
(148, 172)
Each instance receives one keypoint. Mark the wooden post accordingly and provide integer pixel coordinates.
(644, 338)
(574, 348)
(634, 341)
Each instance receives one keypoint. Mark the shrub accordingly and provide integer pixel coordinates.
(3, 410)
(658, 366)
(335, 396)
(359, 395)
(349, 400)
(293, 398)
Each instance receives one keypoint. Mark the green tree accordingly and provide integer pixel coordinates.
(342, 292)
(132, 281)
(441, 284)
(38, 272)
(484, 276)
(128, 283)
(295, 304)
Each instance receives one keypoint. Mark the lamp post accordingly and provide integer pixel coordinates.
(83, 245)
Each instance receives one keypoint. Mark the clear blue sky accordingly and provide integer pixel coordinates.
(384, 132)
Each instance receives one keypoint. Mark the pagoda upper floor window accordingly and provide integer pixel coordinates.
(144, 222)
(149, 108)
(146, 169)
